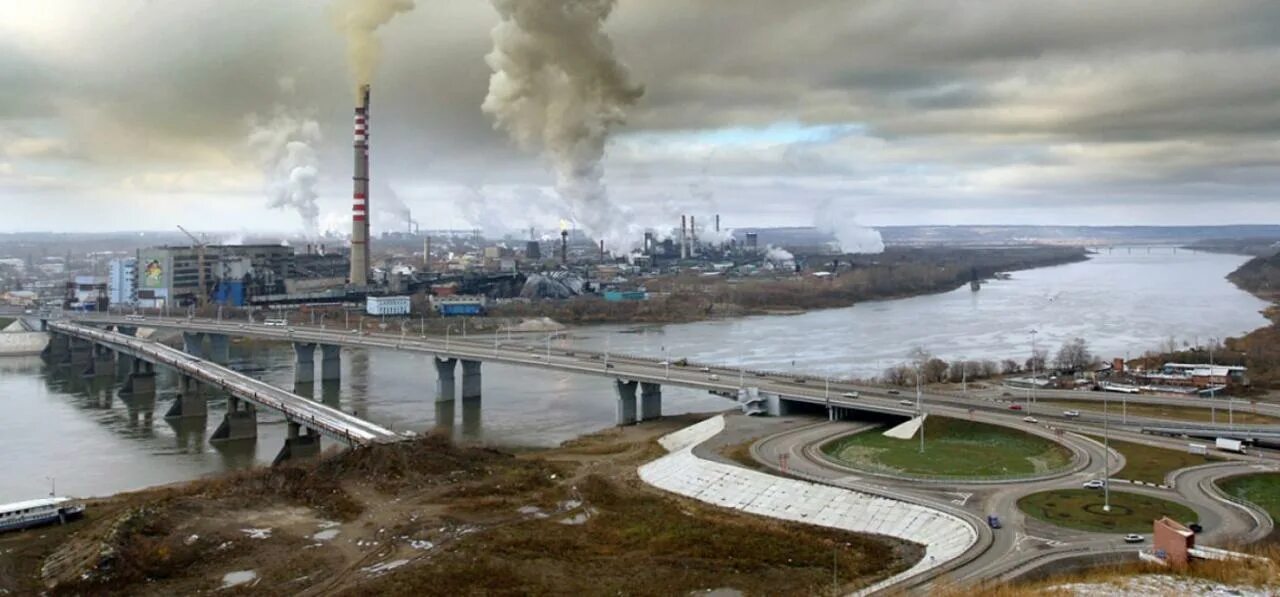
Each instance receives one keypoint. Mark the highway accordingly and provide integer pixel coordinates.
(306, 412)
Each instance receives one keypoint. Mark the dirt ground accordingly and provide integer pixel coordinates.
(429, 518)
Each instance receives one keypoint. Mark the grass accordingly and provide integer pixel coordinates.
(5, 321)
(1173, 412)
(1150, 464)
(1262, 489)
(953, 448)
(647, 544)
(1081, 509)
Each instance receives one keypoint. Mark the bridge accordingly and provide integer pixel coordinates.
(637, 380)
(93, 351)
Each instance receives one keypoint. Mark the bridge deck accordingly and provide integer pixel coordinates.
(308, 413)
(719, 379)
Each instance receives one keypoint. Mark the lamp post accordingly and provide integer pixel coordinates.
(1035, 360)
(1106, 457)
(920, 407)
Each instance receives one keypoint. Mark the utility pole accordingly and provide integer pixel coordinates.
(920, 408)
(1106, 457)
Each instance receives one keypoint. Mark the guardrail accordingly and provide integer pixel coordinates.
(255, 391)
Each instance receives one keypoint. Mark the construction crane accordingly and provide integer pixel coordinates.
(202, 296)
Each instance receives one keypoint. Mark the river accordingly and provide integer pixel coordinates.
(93, 442)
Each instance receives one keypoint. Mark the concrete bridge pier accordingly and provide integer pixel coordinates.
(79, 354)
(193, 344)
(304, 365)
(190, 401)
(446, 384)
(330, 362)
(626, 405)
(141, 380)
(470, 380)
(650, 401)
(57, 349)
(220, 348)
(240, 422)
(103, 362)
(298, 444)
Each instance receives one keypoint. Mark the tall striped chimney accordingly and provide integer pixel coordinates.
(360, 195)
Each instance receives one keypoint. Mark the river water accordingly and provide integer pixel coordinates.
(93, 442)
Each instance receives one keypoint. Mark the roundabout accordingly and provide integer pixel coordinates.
(1085, 510)
(954, 449)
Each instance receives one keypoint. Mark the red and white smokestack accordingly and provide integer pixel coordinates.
(360, 195)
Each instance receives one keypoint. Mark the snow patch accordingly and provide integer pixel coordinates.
(235, 579)
(257, 533)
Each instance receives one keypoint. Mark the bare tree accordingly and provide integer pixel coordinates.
(1010, 366)
(1037, 360)
(934, 370)
(899, 375)
(1074, 355)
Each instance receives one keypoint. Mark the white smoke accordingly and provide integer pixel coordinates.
(842, 223)
(557, 87)
(359, 20)
(284, 145)
(389, 203)
(779, 256)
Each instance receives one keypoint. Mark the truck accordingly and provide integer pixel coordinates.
(1229, 445)
(1199, 449)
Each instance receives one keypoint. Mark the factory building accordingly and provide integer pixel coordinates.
(170, 276)
(459, 305)
(388, 305)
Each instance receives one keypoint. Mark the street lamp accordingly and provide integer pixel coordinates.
(920, 407)
(1035, 359)
(1106, 457)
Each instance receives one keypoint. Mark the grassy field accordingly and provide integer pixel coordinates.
(1149, 463)
(5, 321)
(1082, 509)
(953, 448)
(1261, 489)
(1242, 415)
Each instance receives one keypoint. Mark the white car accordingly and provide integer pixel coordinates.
(1030, 420)
(906, 403)
(1133, 538)
(1070, 413)
(1095, 484)
(850, 394)
(713, 377)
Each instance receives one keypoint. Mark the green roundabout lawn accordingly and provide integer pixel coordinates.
(1082, 509)
(953, 448)
(1262, 489)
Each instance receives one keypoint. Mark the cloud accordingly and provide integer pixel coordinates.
(950, 111)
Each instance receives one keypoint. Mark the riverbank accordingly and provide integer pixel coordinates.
(426, 517)
(899, 273)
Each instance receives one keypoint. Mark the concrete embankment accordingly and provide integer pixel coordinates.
(945, 537)
(17, 340)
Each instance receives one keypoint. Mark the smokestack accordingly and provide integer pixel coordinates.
(693, 237)
(717, 223)
(360, 195)
(684, 239)
(426, 254)
(602, 250)
(564, 247)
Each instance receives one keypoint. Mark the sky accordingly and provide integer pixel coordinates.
(137, 114)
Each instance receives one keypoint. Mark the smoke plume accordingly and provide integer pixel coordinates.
(389, 203)
(284, 145)
(557, 88)
(842, 223)
(359, 20)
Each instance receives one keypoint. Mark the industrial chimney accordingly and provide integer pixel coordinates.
(693, 237)
(360, 195)
(684, 238)
(564, 247)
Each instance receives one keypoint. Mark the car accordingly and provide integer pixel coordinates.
(1015, 407)
(1195, 527)
(850, 394)
(1070, 413)
(1030, 420)
(798, 380)
(993, 521)
(1133, 538)
(608, 365)
(713, 377)
(664, 363)
(906, 403)
(568, 354)
(705, 369)
(1095, 484)
(894, 392)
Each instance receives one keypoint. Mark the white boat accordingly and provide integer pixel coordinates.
(33, 513)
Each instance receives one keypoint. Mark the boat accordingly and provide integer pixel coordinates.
(38, 512)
